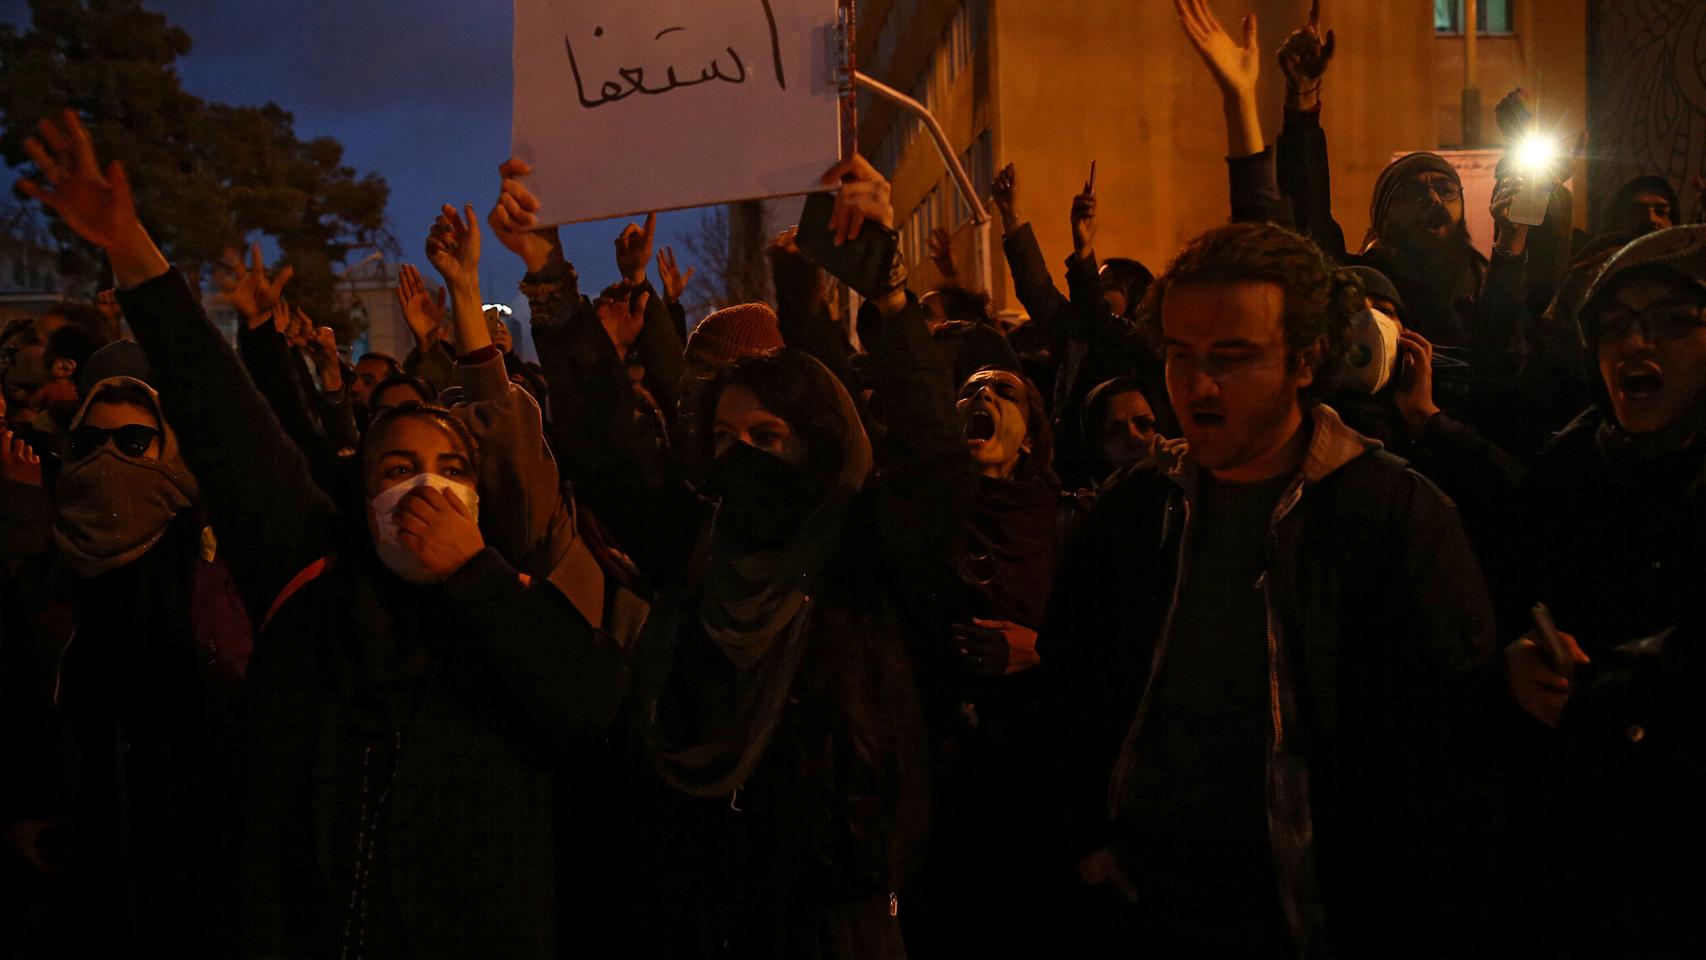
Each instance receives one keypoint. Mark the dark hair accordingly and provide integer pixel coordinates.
(86, 317)
(428, 393)
(385, 358)
(1097, 401)
(799, 390)
(73, 343)
(967, 347)
(1038, 426)
(964, 303)
(1132, 277)
(1262, 253)
(422, 411)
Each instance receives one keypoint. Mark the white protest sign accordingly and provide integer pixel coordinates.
(624, 106)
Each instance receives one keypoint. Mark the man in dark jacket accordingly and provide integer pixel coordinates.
(1610, 526)
(1303, 773)
(1417, 235)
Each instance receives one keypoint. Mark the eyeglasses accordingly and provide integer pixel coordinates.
(1661, 320)
(132, 440)
(1416, 191)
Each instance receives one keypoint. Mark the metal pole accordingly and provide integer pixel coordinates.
(962, 181)
(1471, 71)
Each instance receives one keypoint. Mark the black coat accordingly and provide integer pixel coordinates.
(468, 693)
(1384, 633)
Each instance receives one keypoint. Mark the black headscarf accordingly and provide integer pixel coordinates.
(754, 599)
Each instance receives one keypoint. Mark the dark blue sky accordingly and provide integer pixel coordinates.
(417, 90)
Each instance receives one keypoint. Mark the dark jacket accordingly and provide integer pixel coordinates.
(1608, 536)
(464, 696)
(1381, 796)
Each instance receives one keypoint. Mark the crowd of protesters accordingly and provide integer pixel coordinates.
(1297, 600)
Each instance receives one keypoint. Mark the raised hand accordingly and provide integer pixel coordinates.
(18, 463)
(298, 329)
(323, 350)
(1303, 59)
(453, 246)
(97, 205)
(621, 309)
(1084, 222)
(435, 527)
(634, 249)
(1234, 66)
(864, 195)
(1515, 114)
(423, 312)
(1004, 193)
(785, 245)
(106, 301)
(941, 244)
(249, 288)
(513, 222)
(674, 281)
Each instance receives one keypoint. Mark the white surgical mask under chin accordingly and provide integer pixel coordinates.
(1371, 360)
(392, 553)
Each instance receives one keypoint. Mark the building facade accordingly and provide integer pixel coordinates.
(1050, 86)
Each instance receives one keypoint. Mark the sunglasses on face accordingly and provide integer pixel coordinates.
(132, 440)
(1661, 320)
(1417, 191)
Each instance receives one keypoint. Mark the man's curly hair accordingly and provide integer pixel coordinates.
(1261, 252)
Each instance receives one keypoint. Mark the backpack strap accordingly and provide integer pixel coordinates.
(302, 579)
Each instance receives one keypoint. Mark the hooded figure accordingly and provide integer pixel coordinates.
(774, 702)
(1640, 206)
(114, 498)
(151, 682)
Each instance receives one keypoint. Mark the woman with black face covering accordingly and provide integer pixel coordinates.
(149, 684)
(781, 783)
(410, 698)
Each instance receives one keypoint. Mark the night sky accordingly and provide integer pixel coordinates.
(418, 91)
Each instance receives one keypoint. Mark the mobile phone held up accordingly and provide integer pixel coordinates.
(862, 263)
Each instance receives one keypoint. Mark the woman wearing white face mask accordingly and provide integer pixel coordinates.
(411, 697)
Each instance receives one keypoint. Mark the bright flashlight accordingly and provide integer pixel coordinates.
(1536, 152)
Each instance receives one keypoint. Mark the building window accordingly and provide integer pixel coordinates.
(959, 43)
(1491, 16)
(979, 162)
(915, 235)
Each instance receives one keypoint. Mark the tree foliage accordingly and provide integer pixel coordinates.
(207, 175)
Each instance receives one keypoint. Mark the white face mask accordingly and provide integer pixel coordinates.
(1371, 360)
(396, 557)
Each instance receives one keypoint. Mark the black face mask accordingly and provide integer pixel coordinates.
(764, 498)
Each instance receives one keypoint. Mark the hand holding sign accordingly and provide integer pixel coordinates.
(515, 225)
(613, 85)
